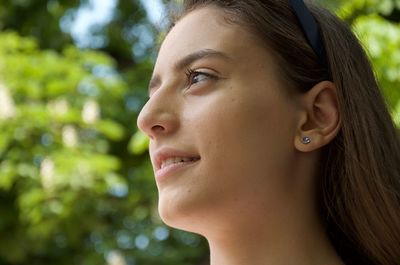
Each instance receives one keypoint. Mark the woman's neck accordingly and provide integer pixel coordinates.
(291, 237)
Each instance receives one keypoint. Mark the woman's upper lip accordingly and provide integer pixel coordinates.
(162, 154)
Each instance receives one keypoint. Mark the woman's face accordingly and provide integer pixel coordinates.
(221, 126)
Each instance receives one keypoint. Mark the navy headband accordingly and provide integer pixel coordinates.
(310, 28)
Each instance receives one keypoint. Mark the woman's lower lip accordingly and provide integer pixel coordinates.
(169, 170)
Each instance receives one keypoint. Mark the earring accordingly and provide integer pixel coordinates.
(306, 140)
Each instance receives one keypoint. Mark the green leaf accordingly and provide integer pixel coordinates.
(111, 129)
(7, 175)
(139, 143)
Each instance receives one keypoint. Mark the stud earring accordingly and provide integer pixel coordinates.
(306, 140)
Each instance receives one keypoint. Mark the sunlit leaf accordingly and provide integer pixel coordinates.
(139, 143)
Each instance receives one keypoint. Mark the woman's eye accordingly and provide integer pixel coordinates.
(195, 77)
(198, 77)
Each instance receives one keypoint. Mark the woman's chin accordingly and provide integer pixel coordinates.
(180, 213)
(170, 210)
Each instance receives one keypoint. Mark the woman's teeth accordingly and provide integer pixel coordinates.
(175, 160)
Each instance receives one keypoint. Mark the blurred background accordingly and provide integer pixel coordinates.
(76, 185)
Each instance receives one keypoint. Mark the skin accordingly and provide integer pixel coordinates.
(252, 193)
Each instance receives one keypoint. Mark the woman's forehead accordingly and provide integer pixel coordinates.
(206, 29)
(200, 28)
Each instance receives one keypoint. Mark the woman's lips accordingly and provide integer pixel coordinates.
(167, 161)
(173, 168)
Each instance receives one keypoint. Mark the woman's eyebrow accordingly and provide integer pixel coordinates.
(195, 56)
(188, 60)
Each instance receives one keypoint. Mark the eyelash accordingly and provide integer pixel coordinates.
(191, 74)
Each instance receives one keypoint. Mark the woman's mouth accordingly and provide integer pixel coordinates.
(168, 161)
(177, 160)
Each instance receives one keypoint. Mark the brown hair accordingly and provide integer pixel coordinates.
(359, 187)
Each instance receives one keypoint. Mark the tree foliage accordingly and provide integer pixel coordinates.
(377, 24)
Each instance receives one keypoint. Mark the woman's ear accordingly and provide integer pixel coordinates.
(319, 121)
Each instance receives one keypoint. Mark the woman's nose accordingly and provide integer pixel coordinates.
(158, 117)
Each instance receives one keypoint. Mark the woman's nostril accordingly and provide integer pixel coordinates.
(157, 128)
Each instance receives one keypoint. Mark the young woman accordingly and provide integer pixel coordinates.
(269, 137)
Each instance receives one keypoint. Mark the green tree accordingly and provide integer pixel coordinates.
(377, 24)
(126, 36)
